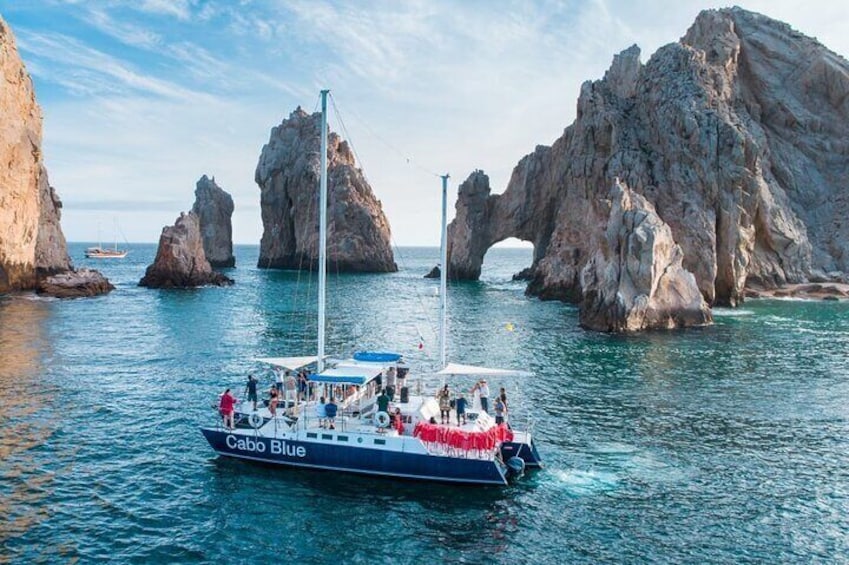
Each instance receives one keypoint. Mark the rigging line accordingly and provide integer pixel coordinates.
(348, 137)
(408, 159)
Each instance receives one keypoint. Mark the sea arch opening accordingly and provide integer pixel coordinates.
(508, 259)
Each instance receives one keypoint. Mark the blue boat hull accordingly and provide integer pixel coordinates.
(527, 452)
(363, 460)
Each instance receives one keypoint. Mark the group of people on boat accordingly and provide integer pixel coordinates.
(288, 387)
(448, 401)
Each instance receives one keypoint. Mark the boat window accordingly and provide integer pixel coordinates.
(380, 442)
(341, 438)
(310, 434)
(326, 436)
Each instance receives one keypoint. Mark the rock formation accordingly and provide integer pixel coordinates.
(738, 135)
(358, 235)
(75, 284)
(32, 245)
(30, 236)
(214, 209)
(634, 280)
(180, 261)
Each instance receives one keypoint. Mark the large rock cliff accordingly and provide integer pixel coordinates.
(180, 261)
(358, 235)
(634, 280)
(214, 209)
(738, 135)
(31, 240)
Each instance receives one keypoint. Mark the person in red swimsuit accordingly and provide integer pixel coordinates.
(398, 422)
(226, 407)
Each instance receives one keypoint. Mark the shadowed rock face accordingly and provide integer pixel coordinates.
(31, 240)
(180, 261)
(738, 135)
(214, 209)
(634, 280)
(358, 236)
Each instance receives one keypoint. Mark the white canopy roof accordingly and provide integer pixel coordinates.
(357, 375)
(291, 363)
(453, 369)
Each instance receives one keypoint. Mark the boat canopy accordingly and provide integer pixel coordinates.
(376, 356)
(455, 369)
(346, 375)
(291, 363)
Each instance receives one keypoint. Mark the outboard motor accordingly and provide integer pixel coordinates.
(516, 466)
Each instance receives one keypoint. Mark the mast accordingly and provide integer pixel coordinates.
(322, 234)
(443, 275)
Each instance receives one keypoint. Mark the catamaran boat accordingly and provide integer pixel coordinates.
(402, 441)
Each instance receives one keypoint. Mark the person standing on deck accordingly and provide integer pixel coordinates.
(330, 411)
(500, 408)
(383, 402)
(483, 391)
(444, 398)
(226, 407)
(460, 405)
(503, 396)
(390, 383)
(250, 390)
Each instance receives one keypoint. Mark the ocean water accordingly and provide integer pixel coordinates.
(720, 444)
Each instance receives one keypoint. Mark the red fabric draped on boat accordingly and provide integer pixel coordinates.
(461, 439)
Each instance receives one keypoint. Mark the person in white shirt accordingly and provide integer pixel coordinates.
(483, 391)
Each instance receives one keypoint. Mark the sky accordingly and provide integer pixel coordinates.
(141, 98)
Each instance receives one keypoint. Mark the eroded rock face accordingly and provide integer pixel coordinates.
(214, 209)
(180, 261)
(31, 240)
(634, 280)
(358, 236)
(738, 135)
(75, 284)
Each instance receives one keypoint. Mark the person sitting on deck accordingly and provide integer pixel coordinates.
(444, 398)
(330, 410)
(460, 404)
(321, 412)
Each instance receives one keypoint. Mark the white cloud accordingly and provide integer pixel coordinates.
(88, 70)
(180, 9)
(128, 34)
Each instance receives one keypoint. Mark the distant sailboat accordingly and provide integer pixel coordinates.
(100, 252)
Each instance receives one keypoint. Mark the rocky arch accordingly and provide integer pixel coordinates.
(483, 219)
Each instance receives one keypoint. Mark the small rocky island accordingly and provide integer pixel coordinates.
(33, 251)
(180, 260)
(735, 136)
(214, 208)
(358, 234)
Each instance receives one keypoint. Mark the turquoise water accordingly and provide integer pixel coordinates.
(721, 444)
